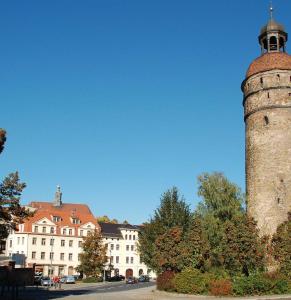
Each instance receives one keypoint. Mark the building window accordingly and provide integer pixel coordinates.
(130, 236)
(18, 240)
(133, 237)
(62, 256)
(111, 259)
(112, 246)
(70, 231)
(127, 247)
(10, 243)
(52, 230)
(266, 119)
(64, 231)
(52, 242)
(63, 243)
(81, 232)
(56, 218)
(43, 242)
(42, 255)
(70, 256)
(51, 255)
(34, 241)
(22, 240)
(126, 236)
(80, 244)
(76, 221)
(131, 260)
(70, 243)
(127, 259)
(35, 228)
(132, 248)
(33, 255)
(43, 229)
(117, 247)
(117, 259)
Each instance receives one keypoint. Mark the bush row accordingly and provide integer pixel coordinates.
(193, 281)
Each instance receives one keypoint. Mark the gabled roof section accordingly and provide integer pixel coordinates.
(114, 230)
(66, 212)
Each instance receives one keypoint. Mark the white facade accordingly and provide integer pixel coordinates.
(123, 254)
(53, 254)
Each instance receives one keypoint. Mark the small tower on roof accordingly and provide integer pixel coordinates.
(58, 197)
(273, 37)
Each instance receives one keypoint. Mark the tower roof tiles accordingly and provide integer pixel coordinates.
(270, 61)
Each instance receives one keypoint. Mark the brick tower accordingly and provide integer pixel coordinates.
(267, 115)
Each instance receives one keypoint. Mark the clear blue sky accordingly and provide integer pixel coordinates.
(118, 100)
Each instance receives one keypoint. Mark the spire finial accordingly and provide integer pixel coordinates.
(271, 10)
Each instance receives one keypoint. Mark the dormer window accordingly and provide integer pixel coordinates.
(56, 219)
(76, 221)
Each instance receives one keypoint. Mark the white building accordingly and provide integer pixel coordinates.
(122, 241)
(52, 238)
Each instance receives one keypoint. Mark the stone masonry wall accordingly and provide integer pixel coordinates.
(267, 106)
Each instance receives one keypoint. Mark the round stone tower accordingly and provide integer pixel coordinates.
(267, 115)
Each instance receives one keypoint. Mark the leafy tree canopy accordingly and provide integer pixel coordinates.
(173, 212)
(106, 219)
(2, 139)
(220, 197)
(281, 243)
(93, 257)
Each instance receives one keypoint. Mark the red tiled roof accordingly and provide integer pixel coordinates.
(66, 211)
(270, 61)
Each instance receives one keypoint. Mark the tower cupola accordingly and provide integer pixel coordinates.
(273, 37)
(58, 197)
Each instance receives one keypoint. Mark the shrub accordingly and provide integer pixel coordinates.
(165, 281)
(192, 281)
(220, 287)
(260, 284)
(92, 279)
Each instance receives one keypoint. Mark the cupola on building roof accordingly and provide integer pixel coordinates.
(272, 39)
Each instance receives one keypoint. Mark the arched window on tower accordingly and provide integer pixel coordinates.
(273, 43)
(282, 44)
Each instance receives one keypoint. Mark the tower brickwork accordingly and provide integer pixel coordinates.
(267, 115)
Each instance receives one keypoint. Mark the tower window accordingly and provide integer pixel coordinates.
(268, 95)
(278, 200)
(278, 77)
(273, 43)
(262, 81)
(266, 119)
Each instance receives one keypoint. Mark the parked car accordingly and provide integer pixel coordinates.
(131, 280)
(37, 279)
(46, 281)
(70, 279)
(121, 277)
(63, 279)
(144, 278)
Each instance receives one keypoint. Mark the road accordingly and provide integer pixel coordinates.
(108, 291)
(117, 291)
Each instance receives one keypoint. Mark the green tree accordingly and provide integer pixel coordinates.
(93, 257)
(106, 219)
(281, 244)
(221, 197)
(222, 200)
(2, 139)
(242, 249)
(172, 212)
(11, 213)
